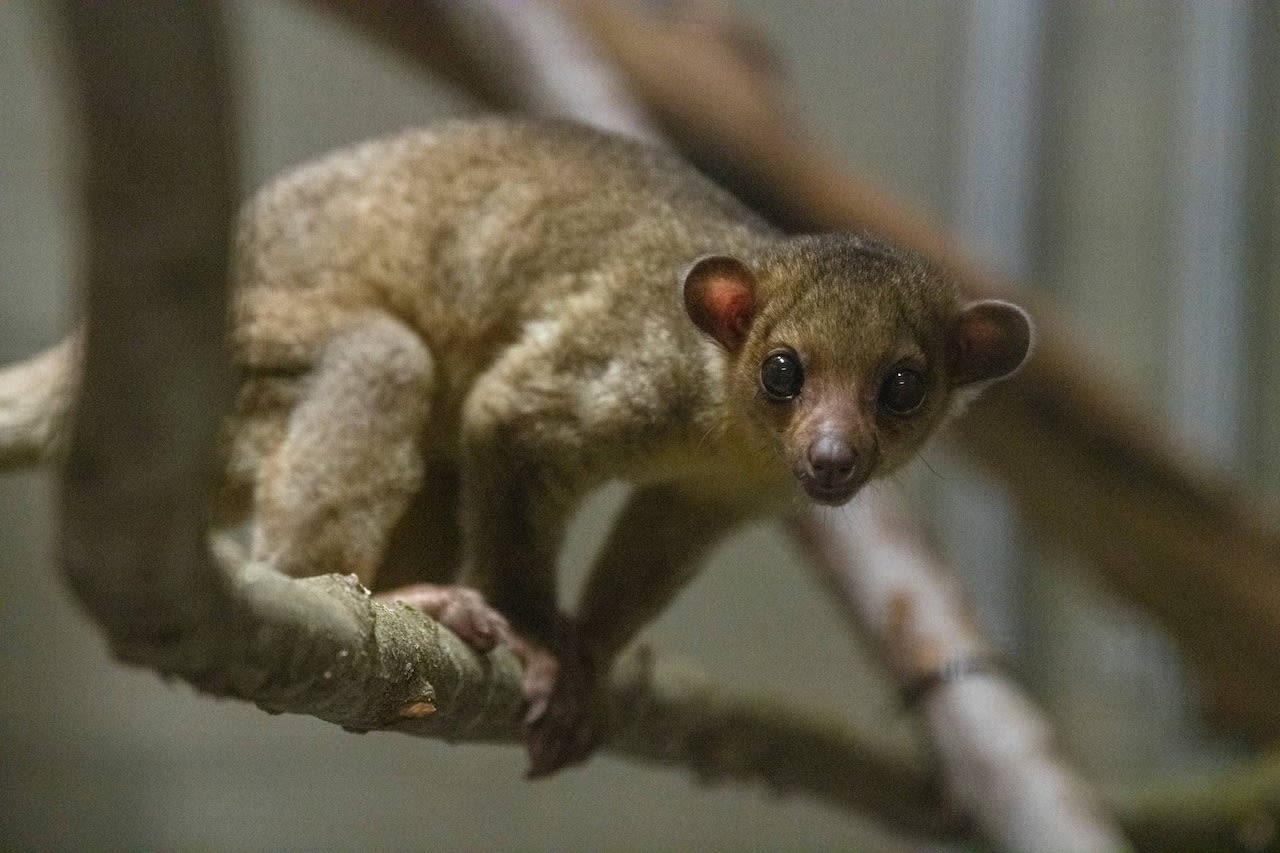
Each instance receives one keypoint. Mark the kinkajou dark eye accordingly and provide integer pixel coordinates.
(902, 391)
(781, 375)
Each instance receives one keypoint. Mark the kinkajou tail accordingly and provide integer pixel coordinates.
(35, 405)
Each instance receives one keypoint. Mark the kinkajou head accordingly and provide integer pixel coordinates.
(846, 354)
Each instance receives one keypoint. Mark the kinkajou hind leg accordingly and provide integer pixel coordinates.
(328, 497)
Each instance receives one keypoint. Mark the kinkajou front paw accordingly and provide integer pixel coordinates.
(461, 609)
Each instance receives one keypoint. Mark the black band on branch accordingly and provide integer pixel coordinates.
(915, 689)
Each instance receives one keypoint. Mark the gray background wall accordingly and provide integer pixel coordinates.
(1070, 116)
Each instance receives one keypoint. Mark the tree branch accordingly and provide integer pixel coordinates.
(995, 749)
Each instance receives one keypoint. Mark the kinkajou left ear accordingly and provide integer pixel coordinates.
(990, 340)
(720, 297)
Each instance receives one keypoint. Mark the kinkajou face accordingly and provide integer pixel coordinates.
(848, 355)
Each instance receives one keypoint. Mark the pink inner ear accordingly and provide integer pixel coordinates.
(720, 296)
(730, 305)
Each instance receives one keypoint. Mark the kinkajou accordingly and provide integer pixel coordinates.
(491, 318)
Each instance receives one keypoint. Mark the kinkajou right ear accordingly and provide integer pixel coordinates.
(720, 298)
(990, 340)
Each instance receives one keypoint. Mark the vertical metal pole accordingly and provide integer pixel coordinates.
(1207, 346)
(997, 133)
(993, 199)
